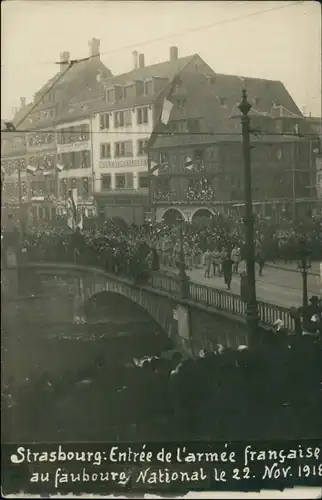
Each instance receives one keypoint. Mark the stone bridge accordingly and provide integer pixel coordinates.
(191, 325)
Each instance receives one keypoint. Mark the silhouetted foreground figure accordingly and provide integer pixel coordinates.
(125, 394)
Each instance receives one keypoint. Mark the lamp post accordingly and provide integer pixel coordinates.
(184, 280)
(251, 303)
(304, 265)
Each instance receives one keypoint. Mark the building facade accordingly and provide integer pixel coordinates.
(122, 126)
(90, 130)
(316, 125)
(54, 150)
(202, 150)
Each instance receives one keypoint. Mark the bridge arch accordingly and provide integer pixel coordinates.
(172, 215)
(86, 282)
(120, 309)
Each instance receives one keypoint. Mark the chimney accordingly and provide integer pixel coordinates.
(141, 60)
(135, 59)
(94, 47)
(174, 54)
(64, 58)
(22, 102)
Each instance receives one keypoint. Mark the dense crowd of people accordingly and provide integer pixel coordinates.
(218, 245)
(190, 398)
(125, 393)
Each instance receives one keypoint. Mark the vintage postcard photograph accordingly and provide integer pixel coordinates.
(161, 248)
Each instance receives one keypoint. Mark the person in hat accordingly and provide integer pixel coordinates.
(312, 310)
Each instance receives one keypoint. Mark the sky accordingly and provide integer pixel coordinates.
(283, 42)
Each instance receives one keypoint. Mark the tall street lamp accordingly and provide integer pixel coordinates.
(251, 303)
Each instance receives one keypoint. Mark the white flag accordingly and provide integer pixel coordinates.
(166, 111)
(72, 209)
(60, 167)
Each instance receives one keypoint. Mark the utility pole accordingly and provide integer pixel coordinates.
(251, 304)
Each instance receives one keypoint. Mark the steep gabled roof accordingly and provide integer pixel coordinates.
(214, 100)
(167, 70)
(93, 65)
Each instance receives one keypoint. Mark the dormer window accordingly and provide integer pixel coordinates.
(223, 102)
(148, 87)
(128, 91)
(177, 85)
(181, 103)
(110, 95)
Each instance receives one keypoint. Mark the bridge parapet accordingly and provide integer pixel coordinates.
(210, 316)
(223, 300)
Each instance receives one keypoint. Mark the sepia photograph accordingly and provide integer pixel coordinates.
(161, 227)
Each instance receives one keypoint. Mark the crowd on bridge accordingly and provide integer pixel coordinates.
(218, 245)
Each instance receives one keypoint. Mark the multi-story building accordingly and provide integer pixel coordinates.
(316, 125)
(61, 105)
(122, 125)
(201, 148)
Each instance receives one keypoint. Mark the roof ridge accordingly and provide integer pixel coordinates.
(248, 77)
(128, 73)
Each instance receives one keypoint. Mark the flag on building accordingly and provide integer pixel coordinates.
(60, 167)
(74, 216)
(72, 209)
(31, 169)
(157, 167)
(166, 111)
(188, 164)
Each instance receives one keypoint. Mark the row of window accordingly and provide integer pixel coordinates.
(123, 149)
(185, 126)
(136, 90)
(83, 186)
(75, 159)
(124, 181)
(73, 134)
(40, 138)
(124, 118)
